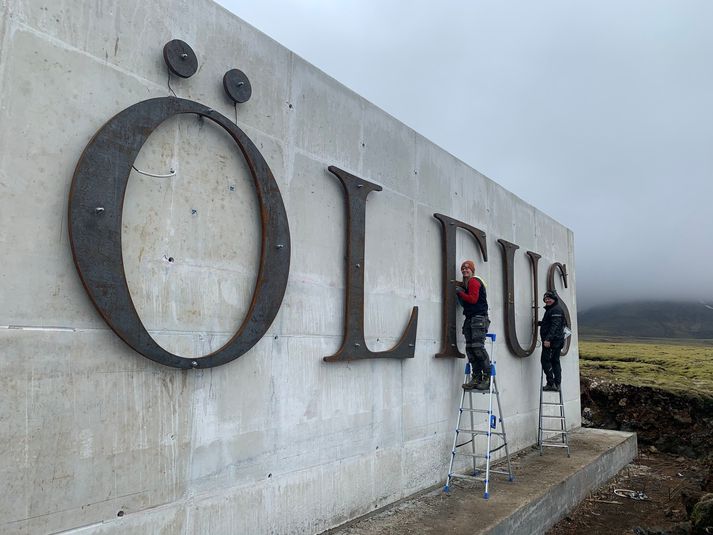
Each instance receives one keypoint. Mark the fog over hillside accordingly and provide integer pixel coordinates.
(659, 319)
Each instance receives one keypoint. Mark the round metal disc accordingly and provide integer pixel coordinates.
(237, 86)
(180, 58)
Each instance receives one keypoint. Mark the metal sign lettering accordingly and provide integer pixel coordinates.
(95, 210)
(508, 250)
(449, 346)
(354, 344)
(562, 268)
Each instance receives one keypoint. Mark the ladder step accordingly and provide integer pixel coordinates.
(555, 417)
(463, 476)
(483, 411)
(475, 432)
(502, 472)
(474, 455)
(551, 445)
(562, 431)
(553, 404)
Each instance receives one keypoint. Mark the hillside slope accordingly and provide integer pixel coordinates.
(649, 320)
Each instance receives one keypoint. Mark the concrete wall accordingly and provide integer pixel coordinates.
(98, 438)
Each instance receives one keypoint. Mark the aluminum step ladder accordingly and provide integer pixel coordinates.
(490, 424)
(552, 413)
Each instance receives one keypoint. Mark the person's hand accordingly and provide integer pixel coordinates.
(458, 284)
(546, 343)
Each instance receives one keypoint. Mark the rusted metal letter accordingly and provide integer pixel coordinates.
(95, 205)
(509, 279)
(354, 344)
(551, 286)
(449, 346)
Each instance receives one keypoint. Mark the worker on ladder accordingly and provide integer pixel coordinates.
(552, 335)
(480, 379)
(472, 296)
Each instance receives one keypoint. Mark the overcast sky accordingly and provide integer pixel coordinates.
(600, 113)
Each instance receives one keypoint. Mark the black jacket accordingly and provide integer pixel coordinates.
(553, 324)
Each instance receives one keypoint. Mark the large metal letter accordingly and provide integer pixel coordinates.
(354, 344)
(95, 209)
(551, 286)
(449, 346)
(509, 279)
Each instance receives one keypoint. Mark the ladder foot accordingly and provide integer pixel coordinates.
(446, 489)
(486, 496)
(511, 478)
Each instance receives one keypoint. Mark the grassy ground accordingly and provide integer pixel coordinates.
(684, 368)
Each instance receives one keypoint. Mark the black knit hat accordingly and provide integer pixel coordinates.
(552, 294)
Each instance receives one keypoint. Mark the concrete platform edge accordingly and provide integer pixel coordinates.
(558, 500)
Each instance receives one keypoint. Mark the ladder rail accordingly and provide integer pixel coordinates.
(455, 438)
(489, 423)
(472, 426)
(539, 418)
(505, 439)
(565, 438)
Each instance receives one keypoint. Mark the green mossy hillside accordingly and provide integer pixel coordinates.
(680, 368)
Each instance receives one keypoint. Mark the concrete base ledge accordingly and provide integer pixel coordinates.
(545, 489)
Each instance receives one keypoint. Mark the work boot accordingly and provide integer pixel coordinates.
(470, 385)
(549, 387)
(484, 384)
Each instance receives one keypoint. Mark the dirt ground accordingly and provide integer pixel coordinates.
(675, 463)
(665, 482)
(673, 423)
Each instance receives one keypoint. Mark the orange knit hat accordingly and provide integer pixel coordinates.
(468, 264)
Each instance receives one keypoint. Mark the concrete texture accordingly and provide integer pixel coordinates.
(98, 439)
(545, 489)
